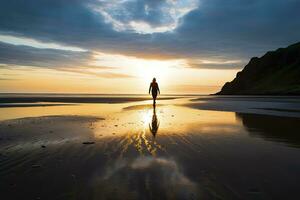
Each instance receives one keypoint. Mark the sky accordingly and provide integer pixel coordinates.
(118, 46)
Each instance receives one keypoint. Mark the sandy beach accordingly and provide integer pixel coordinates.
(187, 147)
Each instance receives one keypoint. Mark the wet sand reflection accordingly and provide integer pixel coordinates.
(153, 127)
(137, 151)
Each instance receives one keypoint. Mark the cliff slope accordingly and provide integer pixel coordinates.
(275, 73)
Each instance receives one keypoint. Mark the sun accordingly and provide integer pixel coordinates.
(162, 70)
(148, 73)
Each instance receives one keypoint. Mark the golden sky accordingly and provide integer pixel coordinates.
(111, 73)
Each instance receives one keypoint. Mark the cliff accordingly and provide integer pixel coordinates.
(275, 73)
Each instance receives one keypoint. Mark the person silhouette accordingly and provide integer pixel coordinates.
(154, 125)
(154, 89)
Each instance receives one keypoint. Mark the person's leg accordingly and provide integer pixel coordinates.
(154, 97)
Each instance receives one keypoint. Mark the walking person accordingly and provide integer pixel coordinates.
(154, 90)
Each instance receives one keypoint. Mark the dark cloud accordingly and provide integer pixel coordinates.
(12, 56)
(243, 27)
(232, 30)
(50, 58)
(216, 65)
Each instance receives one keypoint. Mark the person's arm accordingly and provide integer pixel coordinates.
(158, 89)
(150, 88)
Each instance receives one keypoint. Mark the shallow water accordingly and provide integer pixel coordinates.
(136, 151)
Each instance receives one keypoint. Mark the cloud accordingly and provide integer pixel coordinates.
(144, 16)
(12, 56)
(242, 28)
(50, 58)
(216, 64)
(100, 74)
(37, 44)
(235, 30)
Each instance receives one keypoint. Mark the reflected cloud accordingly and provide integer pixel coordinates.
(168, 167)
(160, 177)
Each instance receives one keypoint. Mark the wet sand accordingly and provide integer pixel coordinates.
(129, 150)
(75, 99)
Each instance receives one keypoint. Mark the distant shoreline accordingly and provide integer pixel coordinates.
(260, 94)
(68, 99)
(90, 94)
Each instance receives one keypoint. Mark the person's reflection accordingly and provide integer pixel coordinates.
(154, 125)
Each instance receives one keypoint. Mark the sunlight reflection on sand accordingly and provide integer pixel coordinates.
(129, 150)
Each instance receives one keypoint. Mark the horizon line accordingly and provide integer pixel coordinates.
(67, 93)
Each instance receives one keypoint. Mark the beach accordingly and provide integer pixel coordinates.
(121, 147)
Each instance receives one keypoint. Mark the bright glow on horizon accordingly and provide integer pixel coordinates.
(115, 74)
(143, 69)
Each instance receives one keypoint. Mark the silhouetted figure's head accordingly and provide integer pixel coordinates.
(154, 80)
